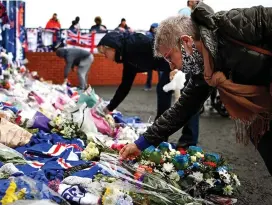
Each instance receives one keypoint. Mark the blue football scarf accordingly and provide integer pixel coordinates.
(52, 154)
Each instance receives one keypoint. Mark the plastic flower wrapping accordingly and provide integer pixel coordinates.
(59, 147)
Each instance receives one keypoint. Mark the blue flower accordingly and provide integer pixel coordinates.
(196, 165)
(181, 161)
(212, 157)
(164, 146)
(181, 173)
(150, 149)
(194, 149)
(223, 168)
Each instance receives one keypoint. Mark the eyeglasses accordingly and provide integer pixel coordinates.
(167, 56)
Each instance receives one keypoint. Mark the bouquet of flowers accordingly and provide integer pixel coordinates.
(67, 128)
(193, 171)
(149, 188)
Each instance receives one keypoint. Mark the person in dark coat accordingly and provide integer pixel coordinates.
(123, 27)
(229, 50)
(152, 31)
(135, 52)
(75, 25)
(98, 27)
(150, 34)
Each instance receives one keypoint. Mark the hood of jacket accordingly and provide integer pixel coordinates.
(203, 14)
(116, 41)
(61, 52)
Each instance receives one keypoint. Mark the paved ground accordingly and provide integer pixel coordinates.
(217, 135)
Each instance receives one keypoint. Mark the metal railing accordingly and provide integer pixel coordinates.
(44, 40)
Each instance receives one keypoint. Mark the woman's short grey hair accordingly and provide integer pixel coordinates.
(171, 29)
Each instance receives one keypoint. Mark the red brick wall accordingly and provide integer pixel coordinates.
(103, 71)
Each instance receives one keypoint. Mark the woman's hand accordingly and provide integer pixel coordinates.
(129, 151)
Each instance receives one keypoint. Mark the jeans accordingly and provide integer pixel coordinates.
(83, 70)
(163, 98)
(190, 130)
(148, 83)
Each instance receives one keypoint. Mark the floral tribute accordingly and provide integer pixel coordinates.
(68, 129)
(198, 173)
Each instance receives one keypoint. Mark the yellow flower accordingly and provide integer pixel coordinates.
(108, 191)
(199, 155)
(58, 121)
(91, 145)
(21, 193)
(193, 158)
(10, 196)
(90, 152)
(106, 195)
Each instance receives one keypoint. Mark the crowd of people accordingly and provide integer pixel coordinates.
(215, 51)
(54, 23)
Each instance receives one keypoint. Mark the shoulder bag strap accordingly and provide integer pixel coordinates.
(250, 47)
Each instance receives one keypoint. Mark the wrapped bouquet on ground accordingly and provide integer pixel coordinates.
(200, 174)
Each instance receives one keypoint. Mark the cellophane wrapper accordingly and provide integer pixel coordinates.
(151, 189)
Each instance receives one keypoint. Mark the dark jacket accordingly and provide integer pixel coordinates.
(150, 34)
(97, 28)
(135, 52)
(252, 26)
(127, 28)
(72, 57)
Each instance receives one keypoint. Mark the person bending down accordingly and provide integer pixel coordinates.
(76, 57)
(218, 52)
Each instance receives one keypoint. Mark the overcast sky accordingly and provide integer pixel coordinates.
(140, 14)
